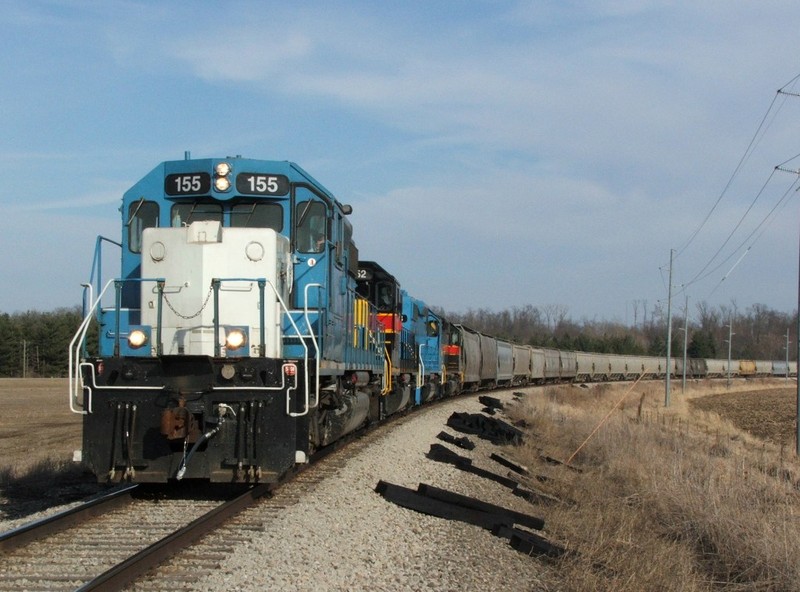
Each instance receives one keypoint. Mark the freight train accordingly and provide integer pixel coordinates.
(243, 332)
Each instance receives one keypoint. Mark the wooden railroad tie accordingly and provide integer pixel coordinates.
(501, 521)
(443, 454)
(510, 464)
(491, 404)
(462, 442)
(495, 430)
(529, 543)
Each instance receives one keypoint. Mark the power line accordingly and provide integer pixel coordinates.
(742, 160)
(763, 225)
(732, 232)
(754, 141)
(766, 122)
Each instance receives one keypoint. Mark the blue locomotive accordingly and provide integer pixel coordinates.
(243, 333)
(234, 341)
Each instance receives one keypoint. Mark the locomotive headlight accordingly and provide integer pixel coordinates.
(137, 338)
(235, 339)
(221, 176)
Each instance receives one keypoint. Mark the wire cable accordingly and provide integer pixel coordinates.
(763, 225)
(754, 141)
(732, 232)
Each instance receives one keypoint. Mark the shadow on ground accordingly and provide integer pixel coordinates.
(43, 485)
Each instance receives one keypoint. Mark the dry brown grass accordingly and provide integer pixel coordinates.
(666, 499)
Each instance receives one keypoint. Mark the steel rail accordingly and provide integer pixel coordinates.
(137, 565)
(39, 529)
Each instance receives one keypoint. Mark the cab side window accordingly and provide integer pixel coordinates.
(384, 293)
(141, 214)
(311, 222)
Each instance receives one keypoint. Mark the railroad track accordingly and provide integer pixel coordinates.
(117, 540)
(106, 543)
(34, 531)
(211, 551)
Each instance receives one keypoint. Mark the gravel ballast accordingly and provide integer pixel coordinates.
(344, 536)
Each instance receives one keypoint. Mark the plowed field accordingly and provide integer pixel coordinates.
(767, 414)
(35, 422)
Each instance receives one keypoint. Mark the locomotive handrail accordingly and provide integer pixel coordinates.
(74, 363)
(387, 372)
(420, 373)
(97, 261)
(313, 338)
(76, 376)
(302, 341)
(118, 309)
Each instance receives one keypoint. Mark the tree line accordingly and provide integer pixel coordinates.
(34, 344)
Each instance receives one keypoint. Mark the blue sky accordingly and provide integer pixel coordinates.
(495, 153)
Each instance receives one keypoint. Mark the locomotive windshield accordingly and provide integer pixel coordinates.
(184, 214)
(257, 215)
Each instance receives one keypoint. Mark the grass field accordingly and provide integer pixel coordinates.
(702, 495)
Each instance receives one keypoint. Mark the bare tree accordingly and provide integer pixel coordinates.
(554, 314)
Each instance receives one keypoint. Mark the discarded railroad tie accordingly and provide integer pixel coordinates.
(450, 505)
(462, 442)
(489, 428)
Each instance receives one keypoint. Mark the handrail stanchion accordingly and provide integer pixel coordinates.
(262, 283)
(319, 287)
(117, 313)
(86, 307)
(159, 317)
(215, 283)
(421, 373)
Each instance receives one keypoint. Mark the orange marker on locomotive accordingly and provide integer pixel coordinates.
(232, 344)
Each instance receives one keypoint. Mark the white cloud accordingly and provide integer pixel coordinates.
(252, 56)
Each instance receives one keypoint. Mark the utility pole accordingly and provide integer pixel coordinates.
(685, 340)
(780, 167)
(797, 398)
(730, 339)
(787, 355)
(669, 329)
